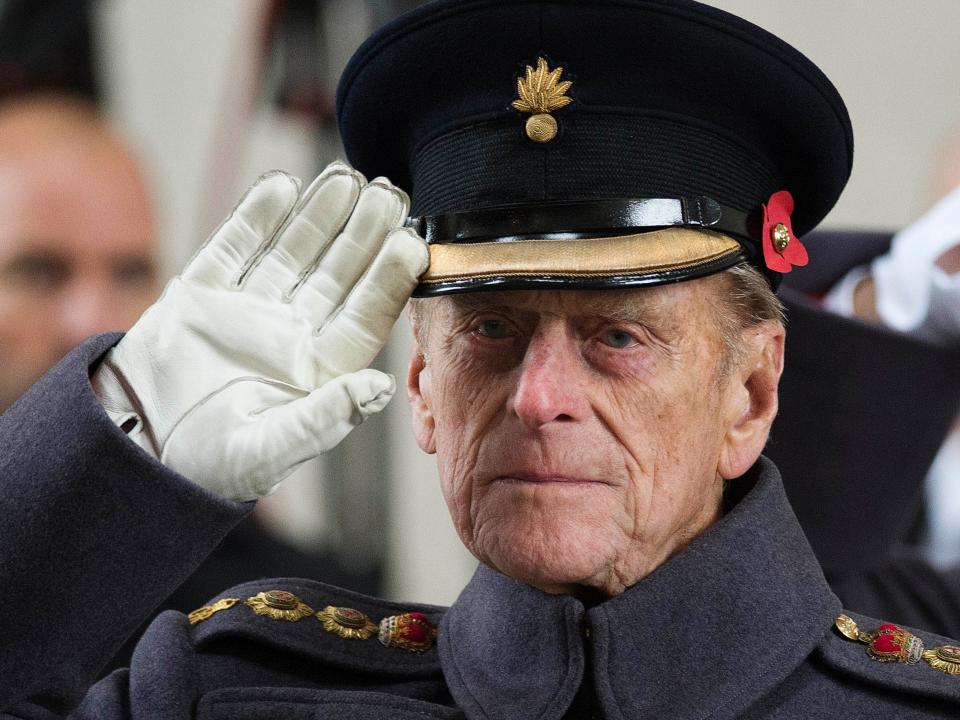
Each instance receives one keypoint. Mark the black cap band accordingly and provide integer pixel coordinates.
(590, 218)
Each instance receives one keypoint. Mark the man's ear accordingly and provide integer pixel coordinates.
(752, 402)
(418, 393)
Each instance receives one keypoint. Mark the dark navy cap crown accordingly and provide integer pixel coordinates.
(671, 99)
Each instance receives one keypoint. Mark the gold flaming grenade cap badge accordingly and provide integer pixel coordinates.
(540, 93)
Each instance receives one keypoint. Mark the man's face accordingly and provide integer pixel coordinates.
(582, 437)
(75, 253)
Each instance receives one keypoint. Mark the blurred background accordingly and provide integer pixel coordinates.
(210, 95)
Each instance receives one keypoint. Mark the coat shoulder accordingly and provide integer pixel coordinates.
(893, 658)
(323, 623)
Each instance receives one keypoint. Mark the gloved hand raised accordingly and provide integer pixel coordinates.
(253, 359)
(915, 292)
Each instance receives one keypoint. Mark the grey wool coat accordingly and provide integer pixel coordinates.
(93, 534)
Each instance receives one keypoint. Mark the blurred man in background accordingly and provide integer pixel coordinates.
(76, 234)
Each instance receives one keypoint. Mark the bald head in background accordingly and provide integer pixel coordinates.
(76, 235)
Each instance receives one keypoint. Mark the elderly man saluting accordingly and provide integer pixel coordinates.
(609, 191)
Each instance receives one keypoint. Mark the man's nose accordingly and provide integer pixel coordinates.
(550, 387)
(88, 308)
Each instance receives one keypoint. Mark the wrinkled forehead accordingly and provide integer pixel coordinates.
(659, 305)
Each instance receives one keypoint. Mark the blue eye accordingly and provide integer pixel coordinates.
(492, 329)
(618, 339)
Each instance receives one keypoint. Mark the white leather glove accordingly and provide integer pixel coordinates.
(913, 294)
(252, 361)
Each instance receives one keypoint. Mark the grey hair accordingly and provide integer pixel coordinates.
(748, 300)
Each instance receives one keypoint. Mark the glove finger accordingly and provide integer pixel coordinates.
(380, 209)
(273, 428)
(323, 211)
(289, 435)
(249, 231)
(314, 424)
(362, 324)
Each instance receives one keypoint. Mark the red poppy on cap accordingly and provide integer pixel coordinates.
(781, 248)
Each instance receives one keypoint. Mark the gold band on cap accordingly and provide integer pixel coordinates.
(658, 251)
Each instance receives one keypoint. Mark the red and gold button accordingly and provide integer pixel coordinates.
(409, 631)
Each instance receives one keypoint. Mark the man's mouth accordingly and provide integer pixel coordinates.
(546, 479)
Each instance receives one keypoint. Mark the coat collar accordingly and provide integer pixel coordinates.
(705, 635)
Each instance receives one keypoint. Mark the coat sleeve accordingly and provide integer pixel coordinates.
(94, 534)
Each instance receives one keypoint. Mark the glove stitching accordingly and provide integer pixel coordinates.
(227, 219)
(270, 242)
(311, 267)
(395, 222)
(399, 195)
(209, 396)
(361, 280)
